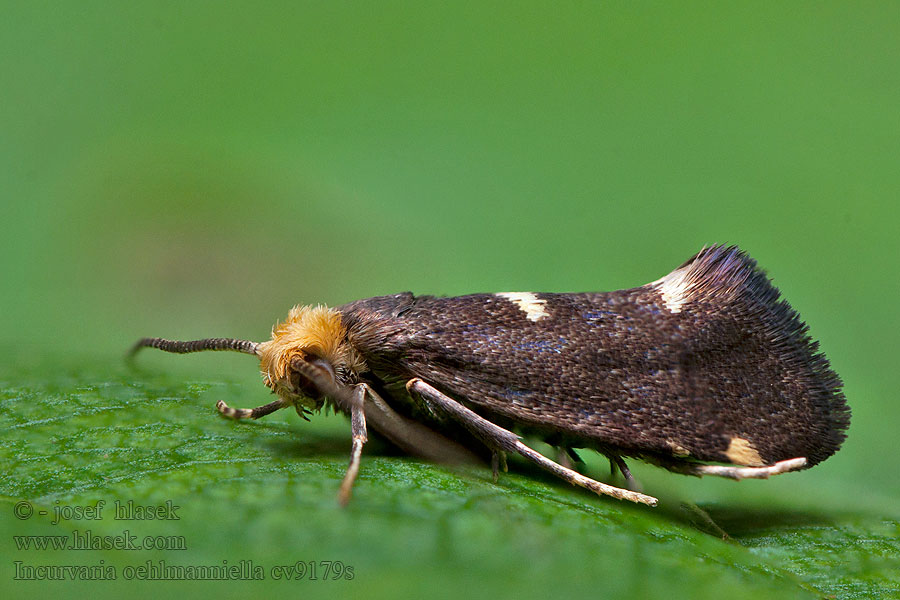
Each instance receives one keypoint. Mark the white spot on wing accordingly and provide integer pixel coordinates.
(675, 289)
(535, 308)
(741, 452)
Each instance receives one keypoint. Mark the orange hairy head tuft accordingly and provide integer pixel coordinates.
(309, 332)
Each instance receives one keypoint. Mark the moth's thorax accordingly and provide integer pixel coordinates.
(309, 332)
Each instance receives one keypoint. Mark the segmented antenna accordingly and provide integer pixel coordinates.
(245, 346)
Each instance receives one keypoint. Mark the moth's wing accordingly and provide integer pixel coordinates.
(706, 362)
(597, 369)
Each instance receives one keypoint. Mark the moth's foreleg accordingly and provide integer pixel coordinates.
(499, 439)
(350, 400)
(249, 413)
(408, 435)
(364, 405)
(782, 466)
(358, 432)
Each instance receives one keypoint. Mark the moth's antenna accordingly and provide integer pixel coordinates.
(245, 346)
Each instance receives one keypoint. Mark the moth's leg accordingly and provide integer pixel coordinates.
(498, 461)
(358, 432)
(413, 437)
(249, 413)
(573, 455)
(567, 457)
(616, 462)
(408, 435)
(782, 466)
(502, 440)
(564, 458)
(350, 400)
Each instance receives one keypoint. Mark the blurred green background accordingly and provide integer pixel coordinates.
(195, 169)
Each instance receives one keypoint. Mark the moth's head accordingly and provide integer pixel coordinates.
(314, 334)
(311, 334)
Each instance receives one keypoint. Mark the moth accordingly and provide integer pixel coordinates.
(705, 371)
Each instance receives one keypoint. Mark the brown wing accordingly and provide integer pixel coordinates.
(705, 362)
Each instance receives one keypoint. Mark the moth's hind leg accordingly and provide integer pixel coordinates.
(616, 463)
(501, 440)
(734, 472)
(782, 466)
(249, 413)
(568, 457)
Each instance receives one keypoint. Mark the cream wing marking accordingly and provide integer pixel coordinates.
(534, 308)
(674, 288)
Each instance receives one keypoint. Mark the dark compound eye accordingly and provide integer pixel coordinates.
(304, 386)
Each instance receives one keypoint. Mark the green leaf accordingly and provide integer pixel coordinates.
(262, 495)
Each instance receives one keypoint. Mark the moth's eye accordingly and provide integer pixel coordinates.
(304, 386)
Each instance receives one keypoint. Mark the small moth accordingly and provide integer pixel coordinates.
(705, 365)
